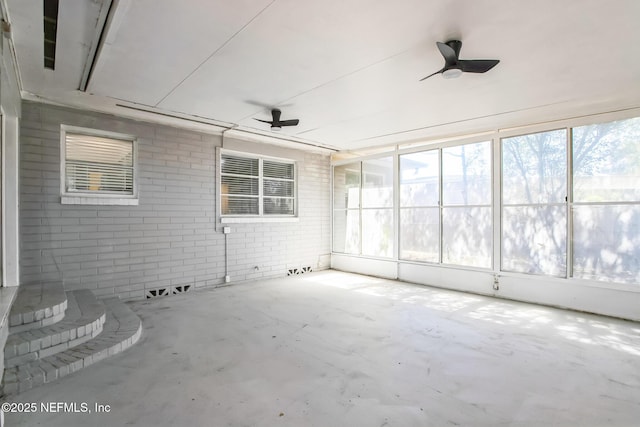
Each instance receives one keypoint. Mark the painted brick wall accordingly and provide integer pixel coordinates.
(173, 238)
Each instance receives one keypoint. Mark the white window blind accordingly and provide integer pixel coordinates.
(98, 165)
(256, 186)
(278, 188)
(240, 187)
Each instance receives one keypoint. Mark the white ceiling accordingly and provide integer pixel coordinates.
(349, 70)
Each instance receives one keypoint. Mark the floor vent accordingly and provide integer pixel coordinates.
(160, 292)
(296, 271)
(180, 289)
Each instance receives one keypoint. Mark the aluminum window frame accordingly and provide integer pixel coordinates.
(235, 217)
(97, 197)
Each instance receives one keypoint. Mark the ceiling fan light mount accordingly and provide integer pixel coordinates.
(452, 73)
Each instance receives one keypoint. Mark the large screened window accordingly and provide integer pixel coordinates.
(420, 206)
(606, 201)
(534, 194)
(377, 207)
(346, 208)
(560, 203)
(466, 200)
(363, 208)
(445, 205)
(96, 165)
(256, 186)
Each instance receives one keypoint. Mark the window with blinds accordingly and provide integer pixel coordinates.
(256, 186)
(96, 165)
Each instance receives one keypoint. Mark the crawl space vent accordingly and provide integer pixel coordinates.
(301, 270)
(160, 292)
(180, 289)
(163, 292)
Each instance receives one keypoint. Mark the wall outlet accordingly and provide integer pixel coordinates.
(226, 230)
(227, 279)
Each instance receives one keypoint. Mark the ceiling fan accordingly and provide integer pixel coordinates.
(276, 123)
(453, 66)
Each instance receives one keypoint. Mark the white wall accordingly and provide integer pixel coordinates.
(174, 237)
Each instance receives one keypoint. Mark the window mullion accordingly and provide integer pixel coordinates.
(360, 208)
(396, 205)
(569, 203)
(440, 207)
(260, 188)
(496, 195)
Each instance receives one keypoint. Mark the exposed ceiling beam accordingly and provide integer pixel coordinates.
(98, 36)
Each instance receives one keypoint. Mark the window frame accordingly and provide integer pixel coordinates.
(496, 137)
(356, 211)
(574, 206)
(446, 206)
(97, 197)
(441, 207)
(261, 216)
(562, 203)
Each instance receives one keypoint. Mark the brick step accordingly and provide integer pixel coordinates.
(37, 305)
(121, 330)
(83, 320)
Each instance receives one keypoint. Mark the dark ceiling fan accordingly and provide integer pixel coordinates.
(453, 66)
(276, 123)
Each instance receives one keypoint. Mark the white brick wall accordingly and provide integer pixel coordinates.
(173, 237)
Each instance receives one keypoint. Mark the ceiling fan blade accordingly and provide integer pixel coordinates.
(431, 75)
(450, 55)
(478, 65)
(275, 113)
(293, 122)
(264, 121)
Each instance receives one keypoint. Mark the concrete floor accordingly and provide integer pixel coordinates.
(336, 349)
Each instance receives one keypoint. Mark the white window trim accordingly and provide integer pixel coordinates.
(246, 219)
(67, 198)
(496, 138)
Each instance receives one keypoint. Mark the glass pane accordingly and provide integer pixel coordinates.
(236, 205)
(466, 174)
(239, 165)
(419, 175)
(466, 236)
(278, 206)
(96, 149)
(377, 188)
(271, 169)
(534, 239)
(346, 186)
(99, 178)
(534, 168)
(606, 243)
(420, 234)
(377, 232)
(239, 185)
(277, 188)
(346, 231)
(606, 162)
